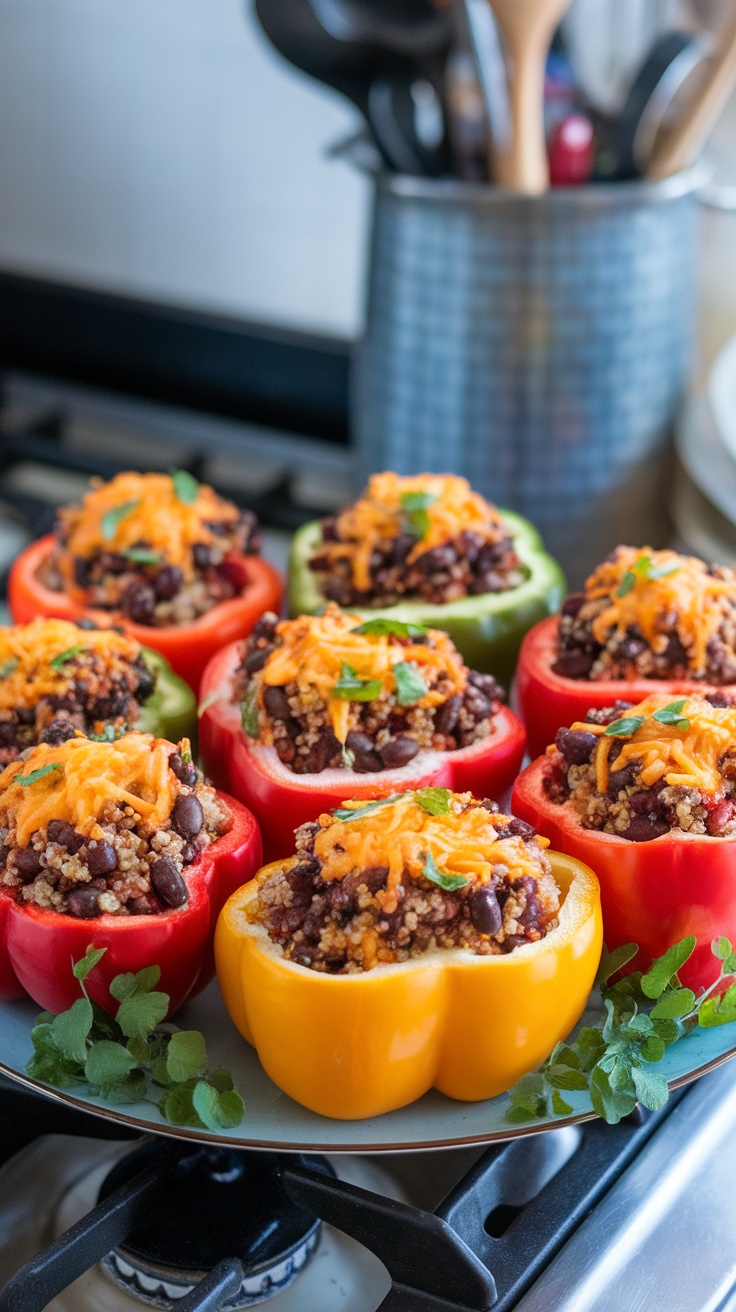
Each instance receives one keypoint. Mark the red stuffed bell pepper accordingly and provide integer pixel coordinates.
(311, 709)
(163, 556)
(648, 621)
(121, 845)
(648, 800)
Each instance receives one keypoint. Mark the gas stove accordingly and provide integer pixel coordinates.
(580, 1219)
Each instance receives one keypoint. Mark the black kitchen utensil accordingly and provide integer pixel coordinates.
(670, 61)
(377, 74)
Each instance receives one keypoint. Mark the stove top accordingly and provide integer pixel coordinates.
(591, 1218)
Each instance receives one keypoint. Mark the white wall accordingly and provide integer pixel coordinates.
(161, 148)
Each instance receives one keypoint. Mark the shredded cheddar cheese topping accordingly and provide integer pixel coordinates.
(381, 515)
(141, 508)
(27, 653)
(78, 779)
(400, 834)
(688, 757)
(643, 587)
(315, 649)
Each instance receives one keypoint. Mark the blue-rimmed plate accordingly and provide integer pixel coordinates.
(273, 1121)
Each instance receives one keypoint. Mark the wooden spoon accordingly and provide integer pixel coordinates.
(680, 145)
(528, 27)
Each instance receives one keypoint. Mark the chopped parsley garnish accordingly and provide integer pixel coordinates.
(25, 779)
(435, 801)
(109, 734)
(450, 883)
(352, 689)
(624, 728)
(142, 556)
(380, 628)
(9, 667)
(186, 486)
(410, 686)
(114, 517)
(672, 714)
(60, 661)
(645, 569)
(414, 506)
(249, 712)
(347, 813)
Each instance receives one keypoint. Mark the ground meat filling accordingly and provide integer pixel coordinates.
(94, 690)
(651, 615)
(297, 717)
(427, 538)
(636, 808)
(349, 924)
(131, 867)
(130, 566)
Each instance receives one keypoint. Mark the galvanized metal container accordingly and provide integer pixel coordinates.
(538, 345)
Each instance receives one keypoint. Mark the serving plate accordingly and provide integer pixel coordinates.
(273, 1121)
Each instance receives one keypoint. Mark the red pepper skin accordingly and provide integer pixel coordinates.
(281, 804)
(653, 894)
(547, 702)
(39, 946)
(187, 647)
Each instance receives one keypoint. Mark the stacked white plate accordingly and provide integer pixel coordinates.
(703, 501)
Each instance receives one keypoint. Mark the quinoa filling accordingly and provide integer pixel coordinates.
(643, 771)
(381, 882)
(58, 678)
(327, 694)
(428, 537)
(649, 614)
(160, 549)
(132, 856)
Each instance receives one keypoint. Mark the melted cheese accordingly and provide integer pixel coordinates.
(314, 648)
(400, 834)
(688, 593)
(87, 776)
(378, 516)
(157, 518)
(26, 653)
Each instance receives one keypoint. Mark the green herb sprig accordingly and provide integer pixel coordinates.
(672, 714)
(414, 506)
(249, 712)
(9, 667)
(645, 1015)
(624, 728)
(133, 1056)
(64, 657)
(381, 628)
(43, 770)
(432, 872)
(115, 516)
(186, 486)
(644, 568)
(143, 556)
(410, 686)
(352, 689)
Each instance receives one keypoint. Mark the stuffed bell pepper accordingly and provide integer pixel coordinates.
(307, 710)
(648, 621)
(59, 678)
(120, 844)
(428, 550)
(646, 795)
(416, 942)
(159, 554)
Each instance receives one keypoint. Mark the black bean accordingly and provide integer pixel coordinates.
(367, 760)
(621, 779)
(167, 582)
(101, 859)
(84, 903)
(675, 653)
(265, 627)
(723, 699)
(573, 604)
(641, 803)
(397, 751)
(184, 771)
(322, 752)
(28, 863)
(438, 559)
(202, 555)
(256, 659)
(642, 829)
(145, 905)
(57, 731)
(81, 571)
(485, 912)
(26, 714)
(630, 648)
(60, 832)
(187, 816)
(576, 745)
(486, 684)
(276, 703)
(374, 877)
(8, 734)
(146, 682)
(476, 704)
(574, 664)
(190, 853)
(490, 555)
(446, 717)
(329, 530)
(519, 829)
(112, 562)
(110, 707)
(401, 547)
(139, 601)
(168, 883)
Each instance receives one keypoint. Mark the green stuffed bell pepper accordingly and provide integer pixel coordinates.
(429, 551)
(59, 679)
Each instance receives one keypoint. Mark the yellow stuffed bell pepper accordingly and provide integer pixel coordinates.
(417, 942)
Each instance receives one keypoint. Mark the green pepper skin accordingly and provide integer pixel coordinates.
(487, 630)
(171, 710)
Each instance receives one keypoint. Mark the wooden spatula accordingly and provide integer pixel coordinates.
(528, 27)
(680, 145)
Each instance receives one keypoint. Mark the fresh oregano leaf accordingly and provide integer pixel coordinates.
(82, 968)
(69, 1030)
(108, 1063)
(132, 1089)
(450, 883)
(610, 1104)
(612, 962)
(187, 1055)
(123, 986)
(410, 686)
(186, 486)
(674, 1005)
(177, 1105)
(662, 970)
(380, 628)
(564, 1077)
(415, 506)
(651, 1088)
(218, 1111)
(352, 689)
(114, 517)
(435, 801)
(625, 727)
(139, 1015)
(559, 1106)
(721, 948)
(672, 714)
(147, 979)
